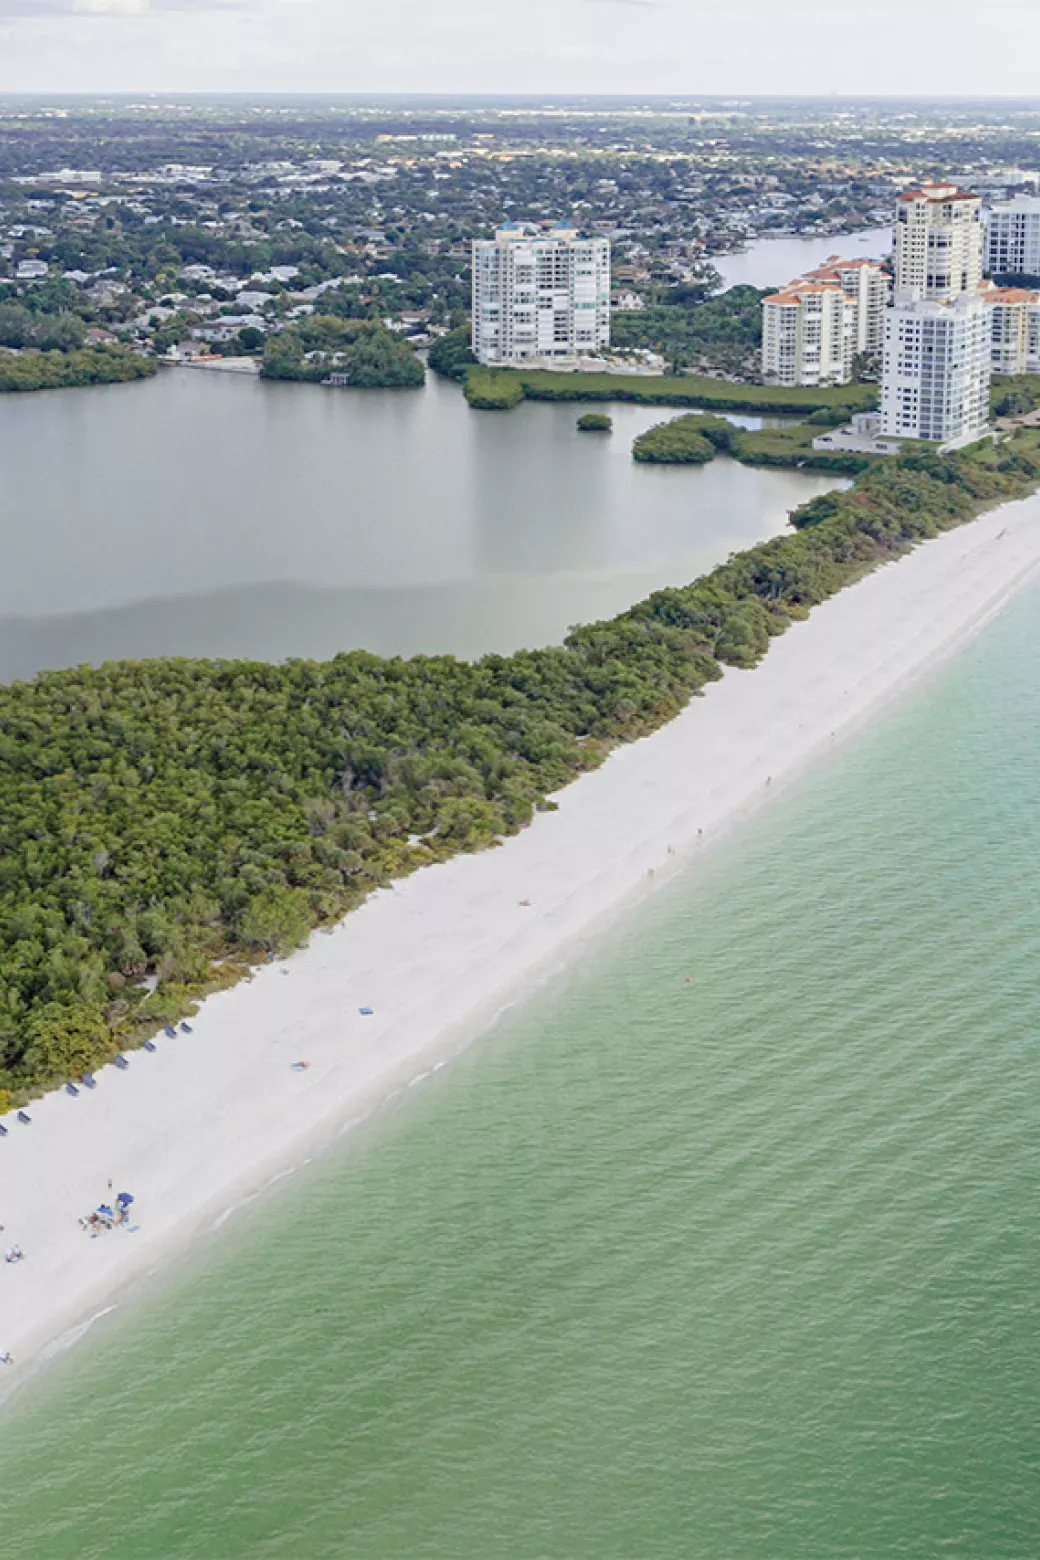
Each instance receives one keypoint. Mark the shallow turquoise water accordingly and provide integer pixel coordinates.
(736, 1265)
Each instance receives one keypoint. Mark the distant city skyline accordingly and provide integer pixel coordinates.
(809, 47)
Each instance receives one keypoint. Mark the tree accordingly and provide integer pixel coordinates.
(64, 1039)
(275, 920)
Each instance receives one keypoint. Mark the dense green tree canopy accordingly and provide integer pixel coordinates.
(320, 344)
(162, 823)
(106, 365)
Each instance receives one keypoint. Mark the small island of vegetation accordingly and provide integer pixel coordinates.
(594, 422)
(164, 824)
(682, 441)
(697, 437)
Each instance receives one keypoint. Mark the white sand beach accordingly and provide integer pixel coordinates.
(213, 1116)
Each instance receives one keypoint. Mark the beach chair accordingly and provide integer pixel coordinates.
(70, 1088)
(3, 1130)
(148, 1045)
(25, 1118)
(187, 1029)
(121, 1062)
(366, 1012)
(89, 1081)
(169, 1030)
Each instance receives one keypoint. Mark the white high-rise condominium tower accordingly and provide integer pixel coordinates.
(1015, 333)
(937, 355)
(869, 287)
(937, 366)
(540, 294)
(938, 243)
(813, 328)
(807, 335)
(1013, 239)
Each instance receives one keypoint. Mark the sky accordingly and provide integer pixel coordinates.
(776, 47)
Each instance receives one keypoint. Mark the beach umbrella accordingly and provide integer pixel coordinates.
(124, 1199)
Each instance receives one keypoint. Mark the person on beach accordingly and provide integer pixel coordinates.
(5, 1358)
(14, 1254)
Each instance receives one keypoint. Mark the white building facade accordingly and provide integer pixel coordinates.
(807, 335)
(540, 294)
(938, 243)
(936, 376)
(1014, 330)
(1013, 239)
(938, 333)
(814, 327)
(869, 287)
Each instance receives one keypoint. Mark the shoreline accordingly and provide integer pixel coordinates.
(214, 1117)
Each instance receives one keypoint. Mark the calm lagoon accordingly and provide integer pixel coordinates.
(206, 513)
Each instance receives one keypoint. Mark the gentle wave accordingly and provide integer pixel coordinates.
(722, 1244)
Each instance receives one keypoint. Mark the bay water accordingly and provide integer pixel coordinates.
(770, 262)
(722, 1245)
(208, 513)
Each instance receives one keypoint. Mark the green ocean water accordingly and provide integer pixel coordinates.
(724, 1245)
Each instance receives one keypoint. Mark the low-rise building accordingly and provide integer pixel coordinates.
(860, 436)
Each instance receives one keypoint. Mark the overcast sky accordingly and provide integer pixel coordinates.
(913, 47)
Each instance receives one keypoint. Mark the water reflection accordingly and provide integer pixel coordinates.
(209, 514)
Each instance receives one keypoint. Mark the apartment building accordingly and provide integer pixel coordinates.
(808, 331)
(1013, 239)
(936, 376)
(869, 286)
(540, 294)
(810, 334)
(1014, 330)
(939, 239)
(938, 348)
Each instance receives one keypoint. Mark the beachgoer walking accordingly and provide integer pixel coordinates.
(5, 1358)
